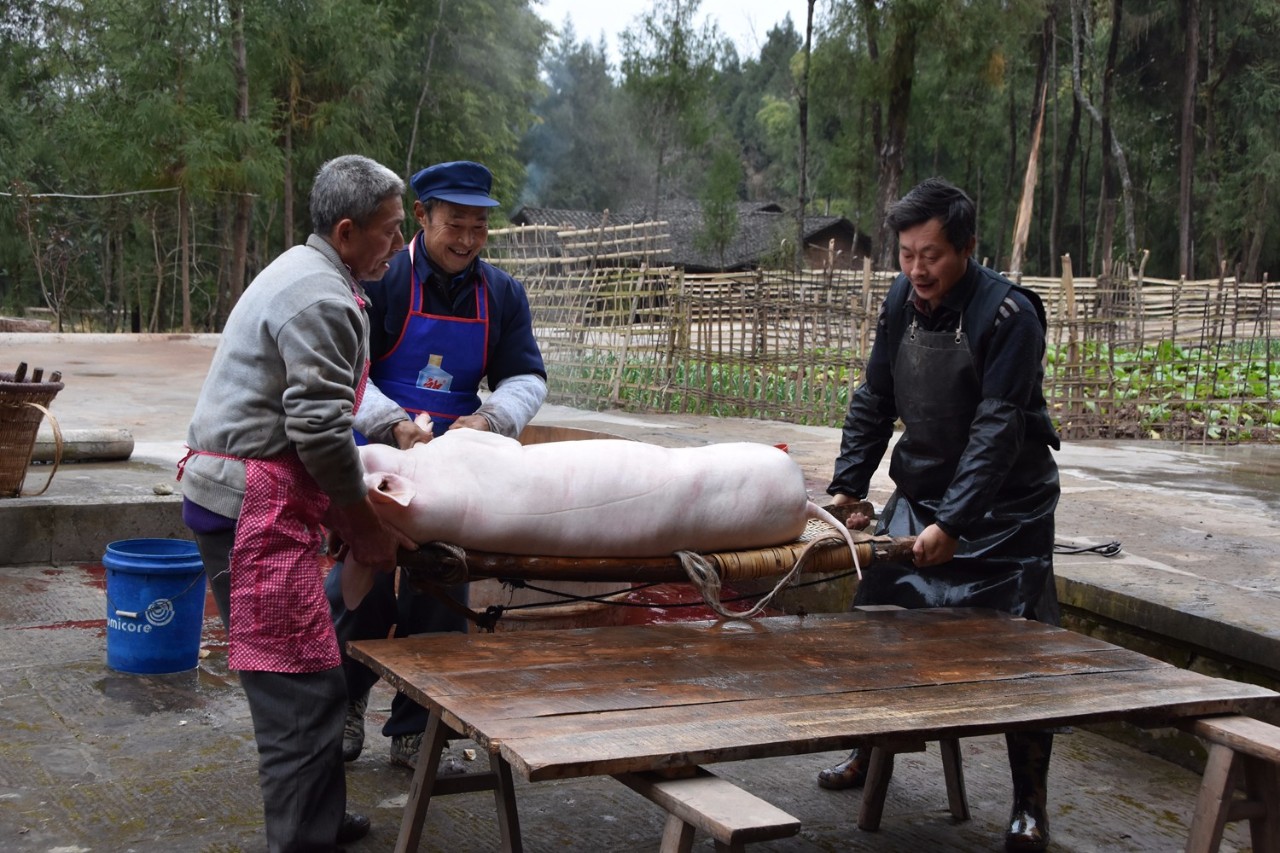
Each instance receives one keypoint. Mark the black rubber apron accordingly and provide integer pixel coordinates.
(1006, 562)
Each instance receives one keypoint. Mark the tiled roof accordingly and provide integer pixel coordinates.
(762, 229)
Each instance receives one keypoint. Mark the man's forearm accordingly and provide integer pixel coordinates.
(377, 415)
(514, 403)
(868, 426)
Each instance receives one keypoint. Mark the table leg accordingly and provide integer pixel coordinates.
(1217, 787)
(953, 770)
(879, 772)
(424, 778)
(1262, 784)
(677, 836)
(504, 796)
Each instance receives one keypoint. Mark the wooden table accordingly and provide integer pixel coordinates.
(608, 701)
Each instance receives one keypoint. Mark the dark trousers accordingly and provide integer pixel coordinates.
(297, 723)
(411, 612)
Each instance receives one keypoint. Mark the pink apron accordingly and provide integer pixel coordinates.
(279, 614)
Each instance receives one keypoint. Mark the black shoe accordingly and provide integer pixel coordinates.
(1028, 828)
(354, 827)
(850, 773)
(1028, 831)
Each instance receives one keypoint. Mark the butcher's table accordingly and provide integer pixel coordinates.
(619, 700)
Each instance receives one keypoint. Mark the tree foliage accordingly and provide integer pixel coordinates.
(148, 168)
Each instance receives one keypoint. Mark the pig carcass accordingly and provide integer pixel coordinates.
(591, 498)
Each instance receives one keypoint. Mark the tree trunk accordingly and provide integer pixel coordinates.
(802, 103)
(1187, 156)
(154, 322)
(1253, 249)
(1107, 192)
(287, 215)
(1212, 80)
(893, 150)
(1113, 157)
(184, 253)
(1056, 223)
(1050, 47)
(1011, 169)
(426, 89)
(244, 202)
(873, 113)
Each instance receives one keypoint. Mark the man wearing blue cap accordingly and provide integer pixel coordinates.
(441, 320)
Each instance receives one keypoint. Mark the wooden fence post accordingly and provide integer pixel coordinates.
(1071, 384)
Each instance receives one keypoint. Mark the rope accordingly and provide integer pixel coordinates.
(454, 558)
(703, 576)
(1111, 549)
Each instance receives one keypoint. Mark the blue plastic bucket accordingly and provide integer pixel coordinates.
(155, 605)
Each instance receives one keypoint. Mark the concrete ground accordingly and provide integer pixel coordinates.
(99, 760)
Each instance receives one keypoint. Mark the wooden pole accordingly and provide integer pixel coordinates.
(1073, 356)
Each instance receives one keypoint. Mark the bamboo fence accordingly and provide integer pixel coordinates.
(1129, 356)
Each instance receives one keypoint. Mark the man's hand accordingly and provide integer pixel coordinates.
(471, 422)
(371, 543)
(861, 514)
(408, 433)
(933, 547)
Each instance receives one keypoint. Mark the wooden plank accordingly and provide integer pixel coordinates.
(590, 744)
(581, 692)
(1242, 734)
(603, 701)
(566, 677)
(860, 635)
(714, 805)
(577, 687)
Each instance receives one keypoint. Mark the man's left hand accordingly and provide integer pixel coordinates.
(408, 433)
(471, 422)
(933, 547)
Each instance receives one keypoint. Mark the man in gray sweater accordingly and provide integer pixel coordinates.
(272, 460)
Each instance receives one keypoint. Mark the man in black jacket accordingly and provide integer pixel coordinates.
(958, 357)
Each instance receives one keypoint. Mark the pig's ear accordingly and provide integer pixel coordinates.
(385, 487)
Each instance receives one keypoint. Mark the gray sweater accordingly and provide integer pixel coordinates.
(283, 378)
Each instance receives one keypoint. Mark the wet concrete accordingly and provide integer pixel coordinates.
(97, 760)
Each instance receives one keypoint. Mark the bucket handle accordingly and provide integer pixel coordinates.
(133, 614)
(57, 447)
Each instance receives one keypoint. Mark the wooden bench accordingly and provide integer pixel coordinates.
(1241, 749)
(697, 799)
(880, 771)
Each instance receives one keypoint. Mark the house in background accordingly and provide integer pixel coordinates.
(763, 236)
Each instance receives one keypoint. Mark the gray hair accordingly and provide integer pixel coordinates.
(350, 187)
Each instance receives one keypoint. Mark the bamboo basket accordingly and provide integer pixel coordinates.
(23, 405)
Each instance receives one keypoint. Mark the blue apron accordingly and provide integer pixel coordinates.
(438, 361)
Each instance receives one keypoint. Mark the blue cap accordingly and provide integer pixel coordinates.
(459, 182)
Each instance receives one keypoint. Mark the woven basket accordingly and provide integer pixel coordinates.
(23, 405)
